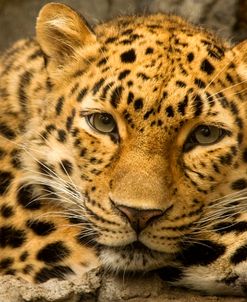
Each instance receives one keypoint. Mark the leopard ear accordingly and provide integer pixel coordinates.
(61, 31)
(241, 58)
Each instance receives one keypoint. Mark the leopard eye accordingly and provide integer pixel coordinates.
(204, 135)
(207, 135)
(102, 122)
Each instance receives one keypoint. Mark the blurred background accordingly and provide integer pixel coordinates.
(227, 17)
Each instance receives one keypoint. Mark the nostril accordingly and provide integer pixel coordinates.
(139, 218)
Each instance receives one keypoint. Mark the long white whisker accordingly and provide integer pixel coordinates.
(229, 87)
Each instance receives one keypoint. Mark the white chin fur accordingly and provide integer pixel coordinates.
(132, 261)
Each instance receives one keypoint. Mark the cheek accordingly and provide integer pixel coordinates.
(208, 168)
(91, 157)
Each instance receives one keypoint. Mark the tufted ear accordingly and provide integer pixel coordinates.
(241, 51)
(61, 31)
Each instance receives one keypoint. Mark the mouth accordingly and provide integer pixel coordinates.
(135, 247)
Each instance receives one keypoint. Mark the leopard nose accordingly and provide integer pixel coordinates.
(139, 218)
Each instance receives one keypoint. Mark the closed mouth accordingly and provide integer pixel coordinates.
(134, 247)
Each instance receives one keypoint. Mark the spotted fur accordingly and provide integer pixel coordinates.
(144, 196)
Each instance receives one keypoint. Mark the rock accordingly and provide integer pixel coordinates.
(99, 287)
(16, 290)
(128, 288)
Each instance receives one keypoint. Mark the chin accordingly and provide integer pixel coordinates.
(134, 257)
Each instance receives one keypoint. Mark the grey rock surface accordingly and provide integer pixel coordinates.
(16, 290)
(97, 287)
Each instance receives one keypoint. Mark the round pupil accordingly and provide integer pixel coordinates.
(205, 131)
(105, 119)
(103, 122)
(207, 134)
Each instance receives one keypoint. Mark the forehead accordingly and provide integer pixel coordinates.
(157, 40)
(155, 62)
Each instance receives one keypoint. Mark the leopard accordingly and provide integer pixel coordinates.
(124, 146)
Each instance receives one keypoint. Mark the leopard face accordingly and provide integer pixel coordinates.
(139, 135)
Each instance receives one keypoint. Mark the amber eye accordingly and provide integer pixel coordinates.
(102, 122)
(204, 135)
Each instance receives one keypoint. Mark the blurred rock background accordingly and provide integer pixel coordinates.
(227, 17)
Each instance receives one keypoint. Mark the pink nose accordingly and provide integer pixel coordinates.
(139, 218)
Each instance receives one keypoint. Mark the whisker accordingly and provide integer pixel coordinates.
(227, 88)
(217, 75)
(223, 209)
